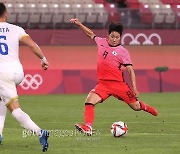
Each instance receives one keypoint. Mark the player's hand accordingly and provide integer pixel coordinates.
(136, 93)
(44, 64)
(75, 21)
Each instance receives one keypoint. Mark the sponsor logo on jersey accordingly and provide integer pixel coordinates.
(114, 53)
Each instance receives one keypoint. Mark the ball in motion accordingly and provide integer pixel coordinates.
(119, 129)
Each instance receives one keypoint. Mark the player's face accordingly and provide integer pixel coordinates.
(114, 38)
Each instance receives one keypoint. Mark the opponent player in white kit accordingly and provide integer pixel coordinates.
(11, 74)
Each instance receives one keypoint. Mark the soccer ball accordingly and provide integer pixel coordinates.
(119, 129)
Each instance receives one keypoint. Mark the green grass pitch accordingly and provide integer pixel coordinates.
(59, 113)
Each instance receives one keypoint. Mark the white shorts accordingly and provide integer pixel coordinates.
(8, 83)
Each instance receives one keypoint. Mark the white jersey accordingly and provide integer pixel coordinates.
(9, 47)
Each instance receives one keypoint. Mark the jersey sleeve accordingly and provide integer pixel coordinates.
(126, 58)
(98, 40)
(22, 33)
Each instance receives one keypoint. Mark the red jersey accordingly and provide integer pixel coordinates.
(110, 60)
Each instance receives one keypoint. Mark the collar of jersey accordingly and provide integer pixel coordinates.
(114, 46)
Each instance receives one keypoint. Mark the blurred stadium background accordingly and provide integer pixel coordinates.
(152, 37)
(151, 34)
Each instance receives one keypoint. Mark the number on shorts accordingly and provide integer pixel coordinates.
(129, 93)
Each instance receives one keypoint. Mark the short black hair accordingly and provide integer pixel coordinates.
(117, 27)
(2, 9)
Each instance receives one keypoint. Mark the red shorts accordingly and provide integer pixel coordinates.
(120, 90)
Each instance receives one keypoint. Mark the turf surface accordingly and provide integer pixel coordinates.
(59, 113)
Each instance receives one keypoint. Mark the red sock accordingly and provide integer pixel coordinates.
(148, 108)
(89, 114)
(143, 106)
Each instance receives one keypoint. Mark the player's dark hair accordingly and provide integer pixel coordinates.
(117, 27)
(2, 9)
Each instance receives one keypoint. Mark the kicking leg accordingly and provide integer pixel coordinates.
(139, 105)
(148, 108)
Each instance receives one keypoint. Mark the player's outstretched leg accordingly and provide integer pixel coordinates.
(43, 139)
(150, 109)
(87, 130)
(25, 121)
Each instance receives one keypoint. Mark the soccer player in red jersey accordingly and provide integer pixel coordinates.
(111, 57)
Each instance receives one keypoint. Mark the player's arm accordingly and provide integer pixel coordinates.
(35, 49)
(131, 73)
(85, 29)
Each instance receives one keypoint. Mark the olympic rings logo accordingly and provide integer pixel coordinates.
(32, 82)
(147, 40)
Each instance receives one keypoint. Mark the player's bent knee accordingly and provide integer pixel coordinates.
(13, 105)
(91, 102)
(93, 99)
(135, 106)
(136, 109)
